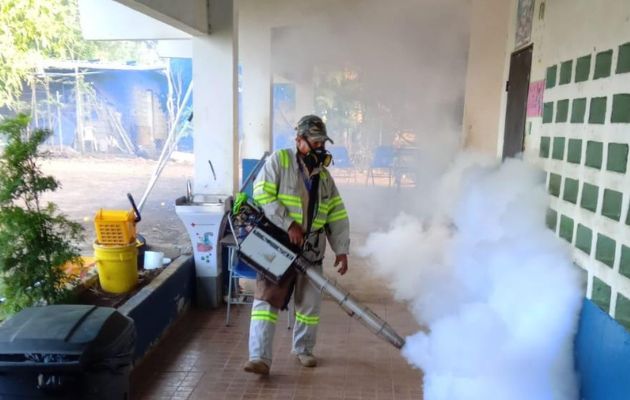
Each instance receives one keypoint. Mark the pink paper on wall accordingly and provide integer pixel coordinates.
(535, 98)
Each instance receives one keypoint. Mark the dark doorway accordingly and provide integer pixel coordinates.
(515, 114)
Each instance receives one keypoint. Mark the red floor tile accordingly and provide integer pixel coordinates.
(201, 358)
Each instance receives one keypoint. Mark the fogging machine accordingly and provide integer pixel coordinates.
(267, 249)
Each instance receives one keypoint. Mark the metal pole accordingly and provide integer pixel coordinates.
(59, 124)
(166, 150)
(49, 112)
(350, 305)
(78, 80)
(34, 115)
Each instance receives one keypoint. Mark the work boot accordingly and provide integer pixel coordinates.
(257, 367)
(307, 360)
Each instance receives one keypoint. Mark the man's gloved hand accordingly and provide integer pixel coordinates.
(343, 260)
(296, 234)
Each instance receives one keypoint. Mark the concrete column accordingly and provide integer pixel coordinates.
(255, 60)
(215, 102)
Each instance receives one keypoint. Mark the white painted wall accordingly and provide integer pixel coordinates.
(491, 43)
(569, 29)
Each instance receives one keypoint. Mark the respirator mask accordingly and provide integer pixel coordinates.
(316, 157)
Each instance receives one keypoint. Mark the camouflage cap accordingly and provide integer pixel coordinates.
(312, 127)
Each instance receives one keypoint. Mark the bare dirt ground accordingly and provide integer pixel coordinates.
(91, 183)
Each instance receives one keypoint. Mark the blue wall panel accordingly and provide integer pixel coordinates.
(602, 348)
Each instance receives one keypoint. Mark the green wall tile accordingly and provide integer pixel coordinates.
(601, 294)
(594, 154)
(620, 108)
(557, 153)
(551, 76)
(611, 204)
(566, 228)
(597, 113)
(624, 263)
(622, 311)
(566, 69)
(603, 61)
(583, 68)
(547, 112)
(583, 238)
(628, 217)
(589, 197)
(545, 143)
(570, 190)
(617, 157)
(554, 184)
(574, 152)
(578, 110)
(562, 111)
(605, 250)
(623, 59)
(551, 219)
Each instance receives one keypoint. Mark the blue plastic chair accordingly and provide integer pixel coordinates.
(237, 270)
(342, 164)
(382, 163)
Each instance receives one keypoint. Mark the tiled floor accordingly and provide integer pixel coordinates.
(201, 358)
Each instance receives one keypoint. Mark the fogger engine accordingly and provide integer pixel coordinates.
(267, 249)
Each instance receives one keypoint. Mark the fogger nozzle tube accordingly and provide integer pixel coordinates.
(362, 313)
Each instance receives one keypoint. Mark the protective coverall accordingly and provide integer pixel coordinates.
(281, 190)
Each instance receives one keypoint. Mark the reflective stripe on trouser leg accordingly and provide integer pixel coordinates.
(307, 304)
(262, 327)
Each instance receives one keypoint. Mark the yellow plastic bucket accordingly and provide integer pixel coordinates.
(117, 267)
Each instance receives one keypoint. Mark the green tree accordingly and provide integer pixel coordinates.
(32, 31)
(36, 240)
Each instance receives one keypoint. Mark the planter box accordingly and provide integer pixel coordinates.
(158, 305)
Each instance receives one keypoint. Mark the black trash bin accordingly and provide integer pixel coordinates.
(66, 352)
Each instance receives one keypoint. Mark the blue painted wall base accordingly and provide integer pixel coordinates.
(602, 352)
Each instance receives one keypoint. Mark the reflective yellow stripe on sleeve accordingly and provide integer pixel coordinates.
(337, 216)
(267, 187)
(290, 200)
(263, 199)
(334, 202)
(318, 223)
(296, 216)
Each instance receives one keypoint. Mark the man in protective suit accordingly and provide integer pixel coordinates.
(298, 194)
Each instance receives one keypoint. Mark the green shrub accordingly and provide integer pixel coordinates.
(36, 240)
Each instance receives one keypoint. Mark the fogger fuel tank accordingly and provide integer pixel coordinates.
(267, 249)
